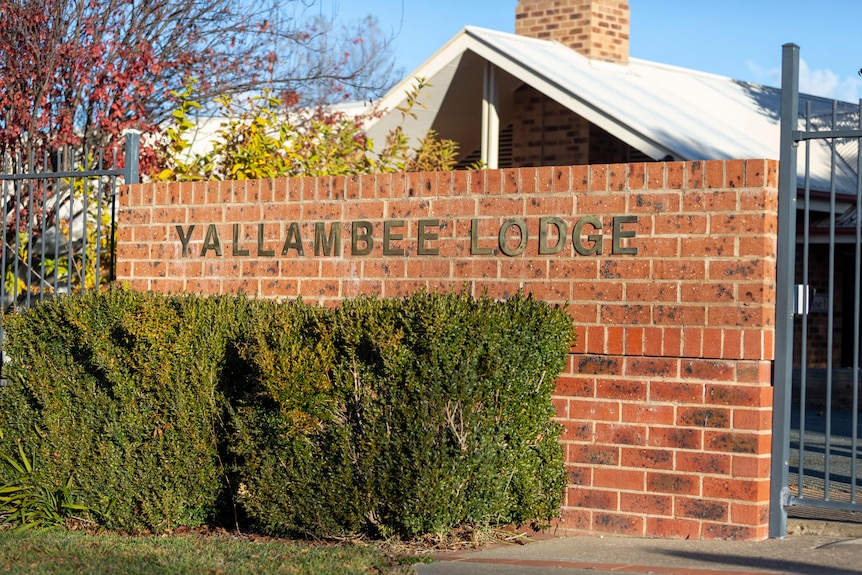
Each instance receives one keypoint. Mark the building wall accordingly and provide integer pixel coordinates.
(816, 324)
(545, 133)
(607, 149)
(816, 349)
(666, 400)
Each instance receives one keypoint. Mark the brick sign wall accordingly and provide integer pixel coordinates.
(668, 270)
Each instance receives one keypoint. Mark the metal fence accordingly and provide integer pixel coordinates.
(817, 363)
(59, 218)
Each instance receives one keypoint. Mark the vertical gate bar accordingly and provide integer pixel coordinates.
(803, 360)
(2, 266)
(857, 298)
(6, 200)
(110, 241)
(16, 219)
(44, 214)
(84, 223)
(71, 262)
(112, 262)
(57, 183)
(29, 268)
(830, 317)
(784, 303)
(98, 235)
(131, 156)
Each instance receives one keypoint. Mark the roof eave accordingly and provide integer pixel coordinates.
(469, 40)
(554, 90)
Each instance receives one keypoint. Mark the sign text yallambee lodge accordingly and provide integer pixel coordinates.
(514, 235)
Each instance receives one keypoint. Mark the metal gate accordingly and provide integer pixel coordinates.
(58, 214)
(817, 352)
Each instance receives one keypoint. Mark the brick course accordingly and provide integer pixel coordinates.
(667, 396)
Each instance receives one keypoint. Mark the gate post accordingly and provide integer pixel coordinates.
(130, 176)
(132, 156)
(784, 308)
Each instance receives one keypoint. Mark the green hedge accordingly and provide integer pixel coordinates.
(439, 414)
(121, 391)
(288, 442)
(385, 416)
(463, 428)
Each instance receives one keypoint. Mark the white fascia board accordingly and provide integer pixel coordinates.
(564, 97)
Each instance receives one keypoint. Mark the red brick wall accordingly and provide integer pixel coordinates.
(666, 401)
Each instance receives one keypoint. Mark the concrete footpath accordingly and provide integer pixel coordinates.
(795, 555)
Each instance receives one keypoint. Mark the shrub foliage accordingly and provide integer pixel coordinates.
(392, 417)
(121, 390)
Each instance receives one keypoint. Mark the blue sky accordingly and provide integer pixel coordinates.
(737, 38)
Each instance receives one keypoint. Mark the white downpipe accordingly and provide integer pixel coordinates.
(490, 119)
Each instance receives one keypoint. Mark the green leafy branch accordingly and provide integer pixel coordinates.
(270, 139)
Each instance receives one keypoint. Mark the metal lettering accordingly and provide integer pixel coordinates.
(261, 251)
(425, 236)
(184, 238)
(562, 233)
(504, 229)
(211, 241)
(293, 241)
(324, 245)
(619, 234)
(587, 237)
(356, 238)
(474, 240)
(388, 237)
(596, 248)
(235, 249)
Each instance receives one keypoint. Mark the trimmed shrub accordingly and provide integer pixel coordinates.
(121, 391)
(393, 417)
(439, 415)
(290, 440)
(453, 421)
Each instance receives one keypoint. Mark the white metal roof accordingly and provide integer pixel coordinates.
(658, 109)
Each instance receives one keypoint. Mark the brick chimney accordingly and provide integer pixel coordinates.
(598, 29)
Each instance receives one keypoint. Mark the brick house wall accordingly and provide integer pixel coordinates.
(546, 133)
(842, 291)
(816, 322)
(668, 270)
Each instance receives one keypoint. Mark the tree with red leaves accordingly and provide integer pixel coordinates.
(80, 72)
(75, 74)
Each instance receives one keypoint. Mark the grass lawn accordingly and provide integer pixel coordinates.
(61, 552)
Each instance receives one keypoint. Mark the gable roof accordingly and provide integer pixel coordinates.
(657, 109)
